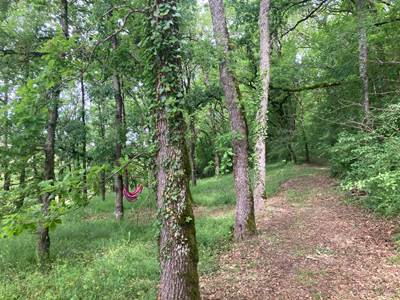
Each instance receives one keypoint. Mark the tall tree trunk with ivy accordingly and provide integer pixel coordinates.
(362, 14)
(245, 220)
(178, 250)
(262, 117)
(120, 137)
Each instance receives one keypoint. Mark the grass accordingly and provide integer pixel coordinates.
(96, 258)
(279, 173)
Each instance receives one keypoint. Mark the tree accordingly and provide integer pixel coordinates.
(177, 243)
(120, 135)
(43, 245)
(84, 137)
(245, 220)
(363, 55)
(262, 118)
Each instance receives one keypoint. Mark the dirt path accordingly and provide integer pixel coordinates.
(310, 246)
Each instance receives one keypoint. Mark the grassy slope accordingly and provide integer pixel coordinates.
(95, 258)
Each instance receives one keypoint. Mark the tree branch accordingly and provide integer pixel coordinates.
(387, 22)
(309, 87)
(309, 15)
(13, 52)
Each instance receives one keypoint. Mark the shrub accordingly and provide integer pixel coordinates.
(370, 162)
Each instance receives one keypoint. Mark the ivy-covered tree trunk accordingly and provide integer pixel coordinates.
(262, 117)
(245, 220)
(178, 249)
(120, 138)
(363, 55)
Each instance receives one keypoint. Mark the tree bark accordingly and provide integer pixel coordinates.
(178, 250)
(262, 117)
(120, 138)
(245, 220)
(363, 56)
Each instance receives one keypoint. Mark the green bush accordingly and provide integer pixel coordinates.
(369, 161)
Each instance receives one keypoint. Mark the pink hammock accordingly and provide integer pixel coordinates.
(132, 196)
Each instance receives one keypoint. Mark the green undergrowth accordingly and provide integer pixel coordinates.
(93, 257)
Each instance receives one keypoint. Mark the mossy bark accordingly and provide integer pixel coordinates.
(178, 250)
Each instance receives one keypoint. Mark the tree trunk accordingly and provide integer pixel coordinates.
(245, 220)
(103, 185)
(217, 164)
(178, 249)
(292, 154)
(102, 135)
(292, 132)
(363, 56)
(7, 180)
(43, 244)
(84, 154)
(303, 129)
(7, 175)
(22, 178)
(262, 117)
(192, 150)
(64, 22)
(119, 205)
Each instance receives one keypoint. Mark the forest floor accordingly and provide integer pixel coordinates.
(310, 245)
